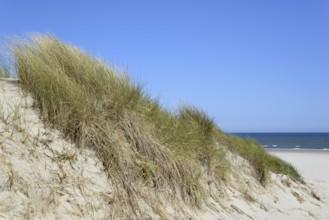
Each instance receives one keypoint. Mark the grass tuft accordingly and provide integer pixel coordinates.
(4, 71)
(262, 161)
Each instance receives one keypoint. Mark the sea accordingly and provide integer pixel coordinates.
(296, 141)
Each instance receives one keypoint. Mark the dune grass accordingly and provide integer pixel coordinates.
(139, 142)
(4, 70)
(262, 161)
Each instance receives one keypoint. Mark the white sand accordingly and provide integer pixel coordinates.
(312, 164)
(37, 182)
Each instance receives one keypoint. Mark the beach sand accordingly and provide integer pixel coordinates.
(312, 164)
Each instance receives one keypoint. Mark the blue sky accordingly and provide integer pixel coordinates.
(253, 65)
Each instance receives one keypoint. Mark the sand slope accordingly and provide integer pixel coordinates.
(44, 176)
(41, 174)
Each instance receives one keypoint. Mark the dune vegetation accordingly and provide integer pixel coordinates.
(140, 142)
(4, 70)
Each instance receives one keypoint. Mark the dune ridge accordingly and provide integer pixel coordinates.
(44, 176)
(80, 141)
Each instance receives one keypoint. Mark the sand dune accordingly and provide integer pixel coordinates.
(44, 176)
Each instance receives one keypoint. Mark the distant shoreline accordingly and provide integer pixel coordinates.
(296, 150)
(290, 141)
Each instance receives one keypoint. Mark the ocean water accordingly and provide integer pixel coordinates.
(316, 141)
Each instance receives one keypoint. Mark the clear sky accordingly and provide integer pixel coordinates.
(253, 65)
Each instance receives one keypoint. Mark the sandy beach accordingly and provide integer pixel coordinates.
(312, 164)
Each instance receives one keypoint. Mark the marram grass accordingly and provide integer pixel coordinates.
(4, 71)
(139, 142)
(257, 156)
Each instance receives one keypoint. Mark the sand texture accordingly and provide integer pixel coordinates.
(44, 176)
